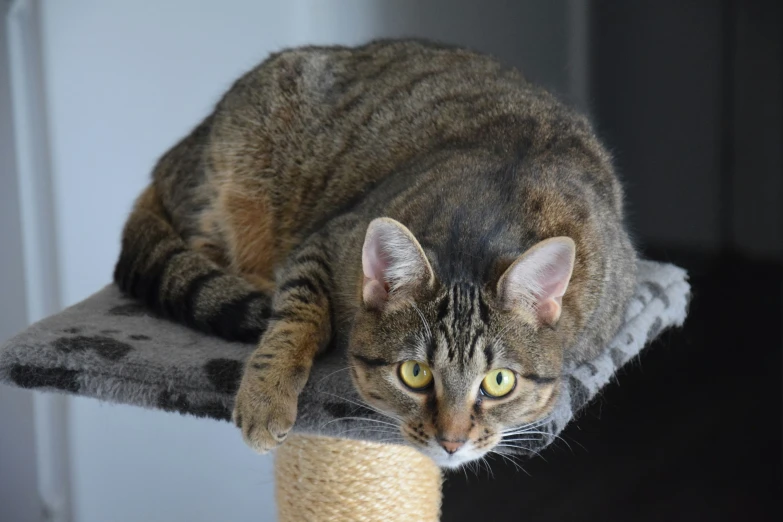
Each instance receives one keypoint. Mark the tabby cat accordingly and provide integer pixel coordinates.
(457, 228)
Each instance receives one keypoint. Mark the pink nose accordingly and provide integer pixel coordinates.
(451, 446)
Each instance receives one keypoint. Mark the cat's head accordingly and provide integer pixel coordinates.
(458, 366)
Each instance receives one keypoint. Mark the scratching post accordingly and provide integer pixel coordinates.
(321, 479)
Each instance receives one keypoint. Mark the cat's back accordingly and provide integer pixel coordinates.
(326, 100)
(328, 122)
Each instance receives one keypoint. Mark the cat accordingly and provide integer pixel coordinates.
(458, 228)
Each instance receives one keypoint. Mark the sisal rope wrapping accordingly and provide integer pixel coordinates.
(321, 479)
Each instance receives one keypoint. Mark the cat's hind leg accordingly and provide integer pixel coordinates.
(157, 266)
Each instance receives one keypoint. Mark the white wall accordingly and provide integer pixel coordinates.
(19, 500)
(124, 80)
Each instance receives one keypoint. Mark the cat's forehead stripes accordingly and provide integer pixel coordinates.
(461, 323)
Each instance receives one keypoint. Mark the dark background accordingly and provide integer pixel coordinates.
(688, 97)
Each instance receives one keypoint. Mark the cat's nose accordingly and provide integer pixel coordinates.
(451, 446)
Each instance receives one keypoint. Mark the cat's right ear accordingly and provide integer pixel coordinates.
(393, 262)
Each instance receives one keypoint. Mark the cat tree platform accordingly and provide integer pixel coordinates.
(334, 466)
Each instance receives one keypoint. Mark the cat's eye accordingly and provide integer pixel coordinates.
(498, 383)
(416, 375)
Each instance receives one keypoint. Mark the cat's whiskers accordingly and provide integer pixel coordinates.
(483, 459)
(364, 429)
(530, 432)
(512, 460)
(517, 432)
(361, 419)
(523, 428)
(516, 444)
(322, 379)
(359, 402)
(363, 404)
(464, 470)
(373, 424)
(423, 321)
(367, 430)
(520, 447)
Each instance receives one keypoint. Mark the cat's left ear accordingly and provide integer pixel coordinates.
(536, 282)
(393, 262)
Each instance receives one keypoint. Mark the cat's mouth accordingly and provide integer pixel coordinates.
(442, 453)
(467, 453)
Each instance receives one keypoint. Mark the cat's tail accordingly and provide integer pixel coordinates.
(157, 267)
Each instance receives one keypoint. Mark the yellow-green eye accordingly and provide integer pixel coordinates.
(498, 383)
(415, 374)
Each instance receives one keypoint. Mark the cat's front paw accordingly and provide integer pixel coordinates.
(265, 414)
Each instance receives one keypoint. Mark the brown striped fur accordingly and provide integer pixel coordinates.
(254, 224)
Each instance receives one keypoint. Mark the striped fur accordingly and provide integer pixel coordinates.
(254, 227)
(157, 267)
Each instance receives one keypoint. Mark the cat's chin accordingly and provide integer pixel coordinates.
(455, 460)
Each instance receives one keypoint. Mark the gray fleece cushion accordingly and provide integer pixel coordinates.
(112, 348)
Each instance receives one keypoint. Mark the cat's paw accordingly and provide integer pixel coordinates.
(265, 414)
